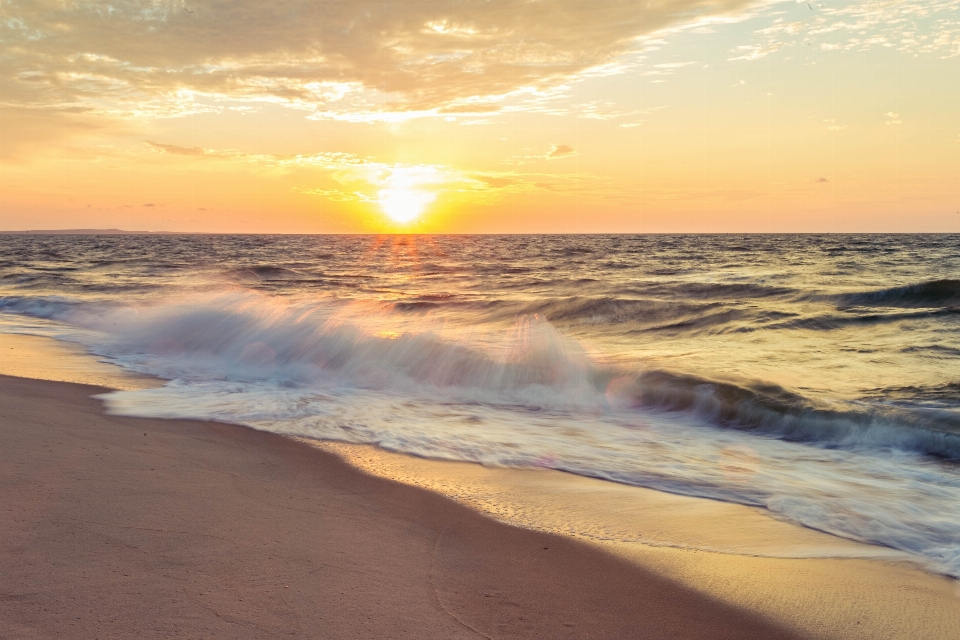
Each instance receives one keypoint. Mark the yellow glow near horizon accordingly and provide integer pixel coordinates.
(402, 197)
(404, 205)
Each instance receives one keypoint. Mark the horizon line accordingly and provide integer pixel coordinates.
(124, 232)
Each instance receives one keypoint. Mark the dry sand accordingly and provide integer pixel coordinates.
(128, 527)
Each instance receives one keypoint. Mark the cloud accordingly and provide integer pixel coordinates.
(756, 51)
(494, 181)
(560, 151)
(165, 58)
(347, 178)
(556, 152)
(927, 28)
(179, 151)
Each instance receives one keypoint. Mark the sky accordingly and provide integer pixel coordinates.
(480, 116)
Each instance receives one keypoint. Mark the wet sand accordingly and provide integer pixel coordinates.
(26, 356)
(130, 527)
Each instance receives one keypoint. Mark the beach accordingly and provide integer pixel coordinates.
(126, 526)
(123, 527)
(490, 319)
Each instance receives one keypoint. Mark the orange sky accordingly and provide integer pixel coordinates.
(480, 116)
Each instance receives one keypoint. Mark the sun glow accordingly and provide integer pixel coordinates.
(404, 205)
(405, 193)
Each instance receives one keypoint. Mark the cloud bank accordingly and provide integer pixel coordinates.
(154, 58)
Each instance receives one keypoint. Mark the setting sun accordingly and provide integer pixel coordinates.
(404, 205)
(404, 195)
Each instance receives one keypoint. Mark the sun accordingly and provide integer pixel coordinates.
(404, 205)
(406, 191)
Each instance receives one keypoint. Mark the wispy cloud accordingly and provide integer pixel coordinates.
(560, 151)
(927, 28)
(833, 126)
(179, 151)
(555, 152)
(344, 177)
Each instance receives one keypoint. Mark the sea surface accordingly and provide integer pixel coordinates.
(816, 376)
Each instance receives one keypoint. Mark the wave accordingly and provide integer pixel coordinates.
(930, 294)
(48, 308)
(715, 290)
(657, 313)
(702, 311)
(614, 310)
(831, 321)
(942, 396)
(772, 410)
(264, 272)
(245, 336)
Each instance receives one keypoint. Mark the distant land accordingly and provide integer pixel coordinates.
(84, 232)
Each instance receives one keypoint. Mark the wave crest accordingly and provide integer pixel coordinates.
(775, 411)
(930, 294)
(244, 336)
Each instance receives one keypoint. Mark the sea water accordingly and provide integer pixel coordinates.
(815, 376)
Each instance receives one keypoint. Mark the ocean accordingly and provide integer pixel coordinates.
(815, 376)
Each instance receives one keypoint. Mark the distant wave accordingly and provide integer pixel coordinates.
(930, 294)
(831, 321)
(613, 310)
(698, 308)
(714, 290)
(775, 411)
(266, 272)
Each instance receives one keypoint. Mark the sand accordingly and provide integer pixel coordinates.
(818, 585)
(127, 527)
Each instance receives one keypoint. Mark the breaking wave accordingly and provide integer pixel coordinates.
(244, 336)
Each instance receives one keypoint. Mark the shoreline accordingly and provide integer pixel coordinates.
(840, 589)
(159, 528)
(853, 595)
